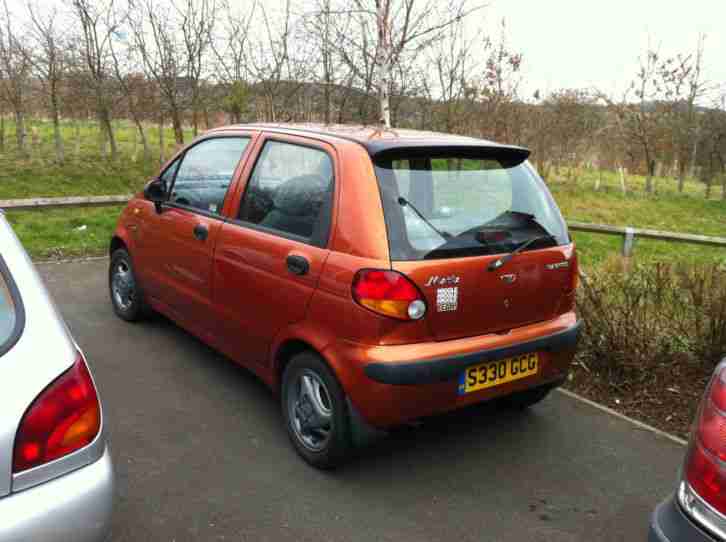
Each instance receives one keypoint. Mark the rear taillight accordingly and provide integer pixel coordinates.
(574, 272)
(388, 293)
(705, 468)
(64, 418)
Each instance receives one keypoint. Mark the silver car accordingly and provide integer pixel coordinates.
(56, 476)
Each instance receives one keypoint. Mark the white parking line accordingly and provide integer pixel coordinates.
(612, 412)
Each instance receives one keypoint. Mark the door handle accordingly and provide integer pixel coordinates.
(297, 265)
(201, 232)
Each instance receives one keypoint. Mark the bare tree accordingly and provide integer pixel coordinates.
(277, 67)
(98, 22)
(683, 83)
(453, 63)
(197, 21)
(15, 68)
(320, 25)
(640, 122)
(398, 27)
(124, 66)
(231, 54)
(156, 33)
(50, 62)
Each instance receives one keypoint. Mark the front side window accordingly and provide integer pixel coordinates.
(8, 314)
(458, 205)
(205, 172)
(168, 175)
(290, 191)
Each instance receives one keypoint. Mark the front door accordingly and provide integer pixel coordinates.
(268, 261)
(177, 245)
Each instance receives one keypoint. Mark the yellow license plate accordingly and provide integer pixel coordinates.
(494, 373)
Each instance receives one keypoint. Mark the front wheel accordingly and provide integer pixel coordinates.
(315, 412)
(127, 298)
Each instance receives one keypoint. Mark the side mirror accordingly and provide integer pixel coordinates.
(155, 191)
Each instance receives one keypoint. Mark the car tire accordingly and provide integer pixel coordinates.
(315, 411)
(127, 298)
(522, 400)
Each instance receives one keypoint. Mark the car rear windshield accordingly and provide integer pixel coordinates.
(10, 311)
(451, 206)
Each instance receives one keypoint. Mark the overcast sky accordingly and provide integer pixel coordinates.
(586, 43)
(571, 43)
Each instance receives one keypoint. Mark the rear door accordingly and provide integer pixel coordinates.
(269, 258)
(450, 216)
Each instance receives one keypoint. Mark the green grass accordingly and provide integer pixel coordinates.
(667, 210)
(60, 233)
(86, 171)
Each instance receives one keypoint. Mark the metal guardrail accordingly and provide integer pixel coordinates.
(627, 233)
(50, 203)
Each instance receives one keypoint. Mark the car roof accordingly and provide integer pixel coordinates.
(377, 139)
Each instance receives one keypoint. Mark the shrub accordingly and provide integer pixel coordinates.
(652, 315)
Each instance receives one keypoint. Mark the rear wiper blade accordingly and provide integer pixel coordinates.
(499, 262)
(403, 202)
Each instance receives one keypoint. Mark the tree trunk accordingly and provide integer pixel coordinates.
(107, 129)
(58, 137)
(681, 175)
(195, 120)
(144, 142)
(103, 141)
(383, 61)
(135, 144)
(649, 176)
(2, 132)
(20, 132)
(177, 125)
(723, 187)
(77, 130)
(161, 139)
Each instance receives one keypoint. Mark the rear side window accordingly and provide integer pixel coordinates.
(11, 311)
(205, 173)
(290, 192)
(458, 205)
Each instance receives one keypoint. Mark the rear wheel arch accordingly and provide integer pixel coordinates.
(286, 351)
(116, 244)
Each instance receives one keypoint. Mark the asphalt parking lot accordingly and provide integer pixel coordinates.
(201, 454)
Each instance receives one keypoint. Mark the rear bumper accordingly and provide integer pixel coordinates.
(75, 507)
(449, 368)
(669, 524)
(387, 388)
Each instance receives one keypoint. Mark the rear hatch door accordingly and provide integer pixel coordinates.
(451, 212)
(465, 299)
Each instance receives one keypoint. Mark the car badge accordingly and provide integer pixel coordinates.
(509, 278)
(559, 265)
(435, 280)
(506, 303)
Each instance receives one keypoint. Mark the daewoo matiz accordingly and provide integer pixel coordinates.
(371, 277)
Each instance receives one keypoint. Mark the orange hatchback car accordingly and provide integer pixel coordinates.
(370, 277)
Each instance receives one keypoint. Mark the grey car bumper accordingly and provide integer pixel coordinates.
(73, 508)
(669, 524)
